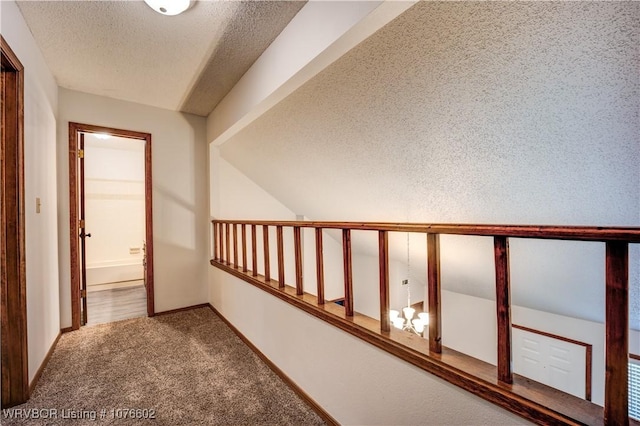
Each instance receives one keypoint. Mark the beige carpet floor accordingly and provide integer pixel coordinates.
(186, 368)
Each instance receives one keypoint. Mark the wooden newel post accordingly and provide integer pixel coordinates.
(383, 247)
(616, 398)
(434, 293)
(503, 308)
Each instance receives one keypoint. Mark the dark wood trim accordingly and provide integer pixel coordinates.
(634, 356)
(267, 262)
(554, 232)
(348, 273)
(44, 363)
(319, 266)
(227, 227)
(66, 330)
(244, 249)
(383, 261)
(434, 293)
(297, 389)
(74, 129)
(588, 348)
(235, 245)
(148, 218)
(13, 291)
(534, 401)
(221, 240)
(531, 400)
(503, 308)
(280, 246)
(616, 392)
(254, 251)
(186, 308)
(297, 245)
(215, 242)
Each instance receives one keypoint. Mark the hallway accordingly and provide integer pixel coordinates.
(182, 368)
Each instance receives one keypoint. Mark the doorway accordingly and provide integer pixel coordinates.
(13, 314)
(111, 224)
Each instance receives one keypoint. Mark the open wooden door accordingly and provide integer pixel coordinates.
(82, 226)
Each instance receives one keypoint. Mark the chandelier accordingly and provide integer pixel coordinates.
(406, 321)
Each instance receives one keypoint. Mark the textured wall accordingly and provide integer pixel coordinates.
(472, 112)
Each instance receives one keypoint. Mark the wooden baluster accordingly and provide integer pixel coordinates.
(434, 293)
(227, 226)
(297, 243)
(254, 251)
(265, 239)
(383, 248)
(244, 248)
(319, 266)
(215, 240)
(503, 308)
(221, 242)
(348, 273)
(235, 245)
(616, 399)
(280, 241)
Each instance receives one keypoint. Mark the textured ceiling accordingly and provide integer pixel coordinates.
(125, 50)
(480, 112)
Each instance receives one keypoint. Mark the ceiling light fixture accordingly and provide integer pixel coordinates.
(168, 7)
(407, 323)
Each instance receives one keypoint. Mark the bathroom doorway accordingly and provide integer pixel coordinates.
(112, 243)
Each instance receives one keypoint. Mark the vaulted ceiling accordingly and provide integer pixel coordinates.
(125, 50)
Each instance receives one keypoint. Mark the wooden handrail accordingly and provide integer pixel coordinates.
(616, 284)
(555, 232)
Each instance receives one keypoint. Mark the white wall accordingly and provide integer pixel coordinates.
(354, 381)
(180, 199)
(40, 111)
(319, 34)
(473, 112)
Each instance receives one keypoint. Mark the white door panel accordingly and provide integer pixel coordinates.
(550, 361)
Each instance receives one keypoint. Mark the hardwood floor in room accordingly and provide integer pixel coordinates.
(116, 304)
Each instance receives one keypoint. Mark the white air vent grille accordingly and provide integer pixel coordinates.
(634, 389)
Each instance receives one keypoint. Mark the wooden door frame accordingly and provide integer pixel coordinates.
(74, 130)
(15, 366)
